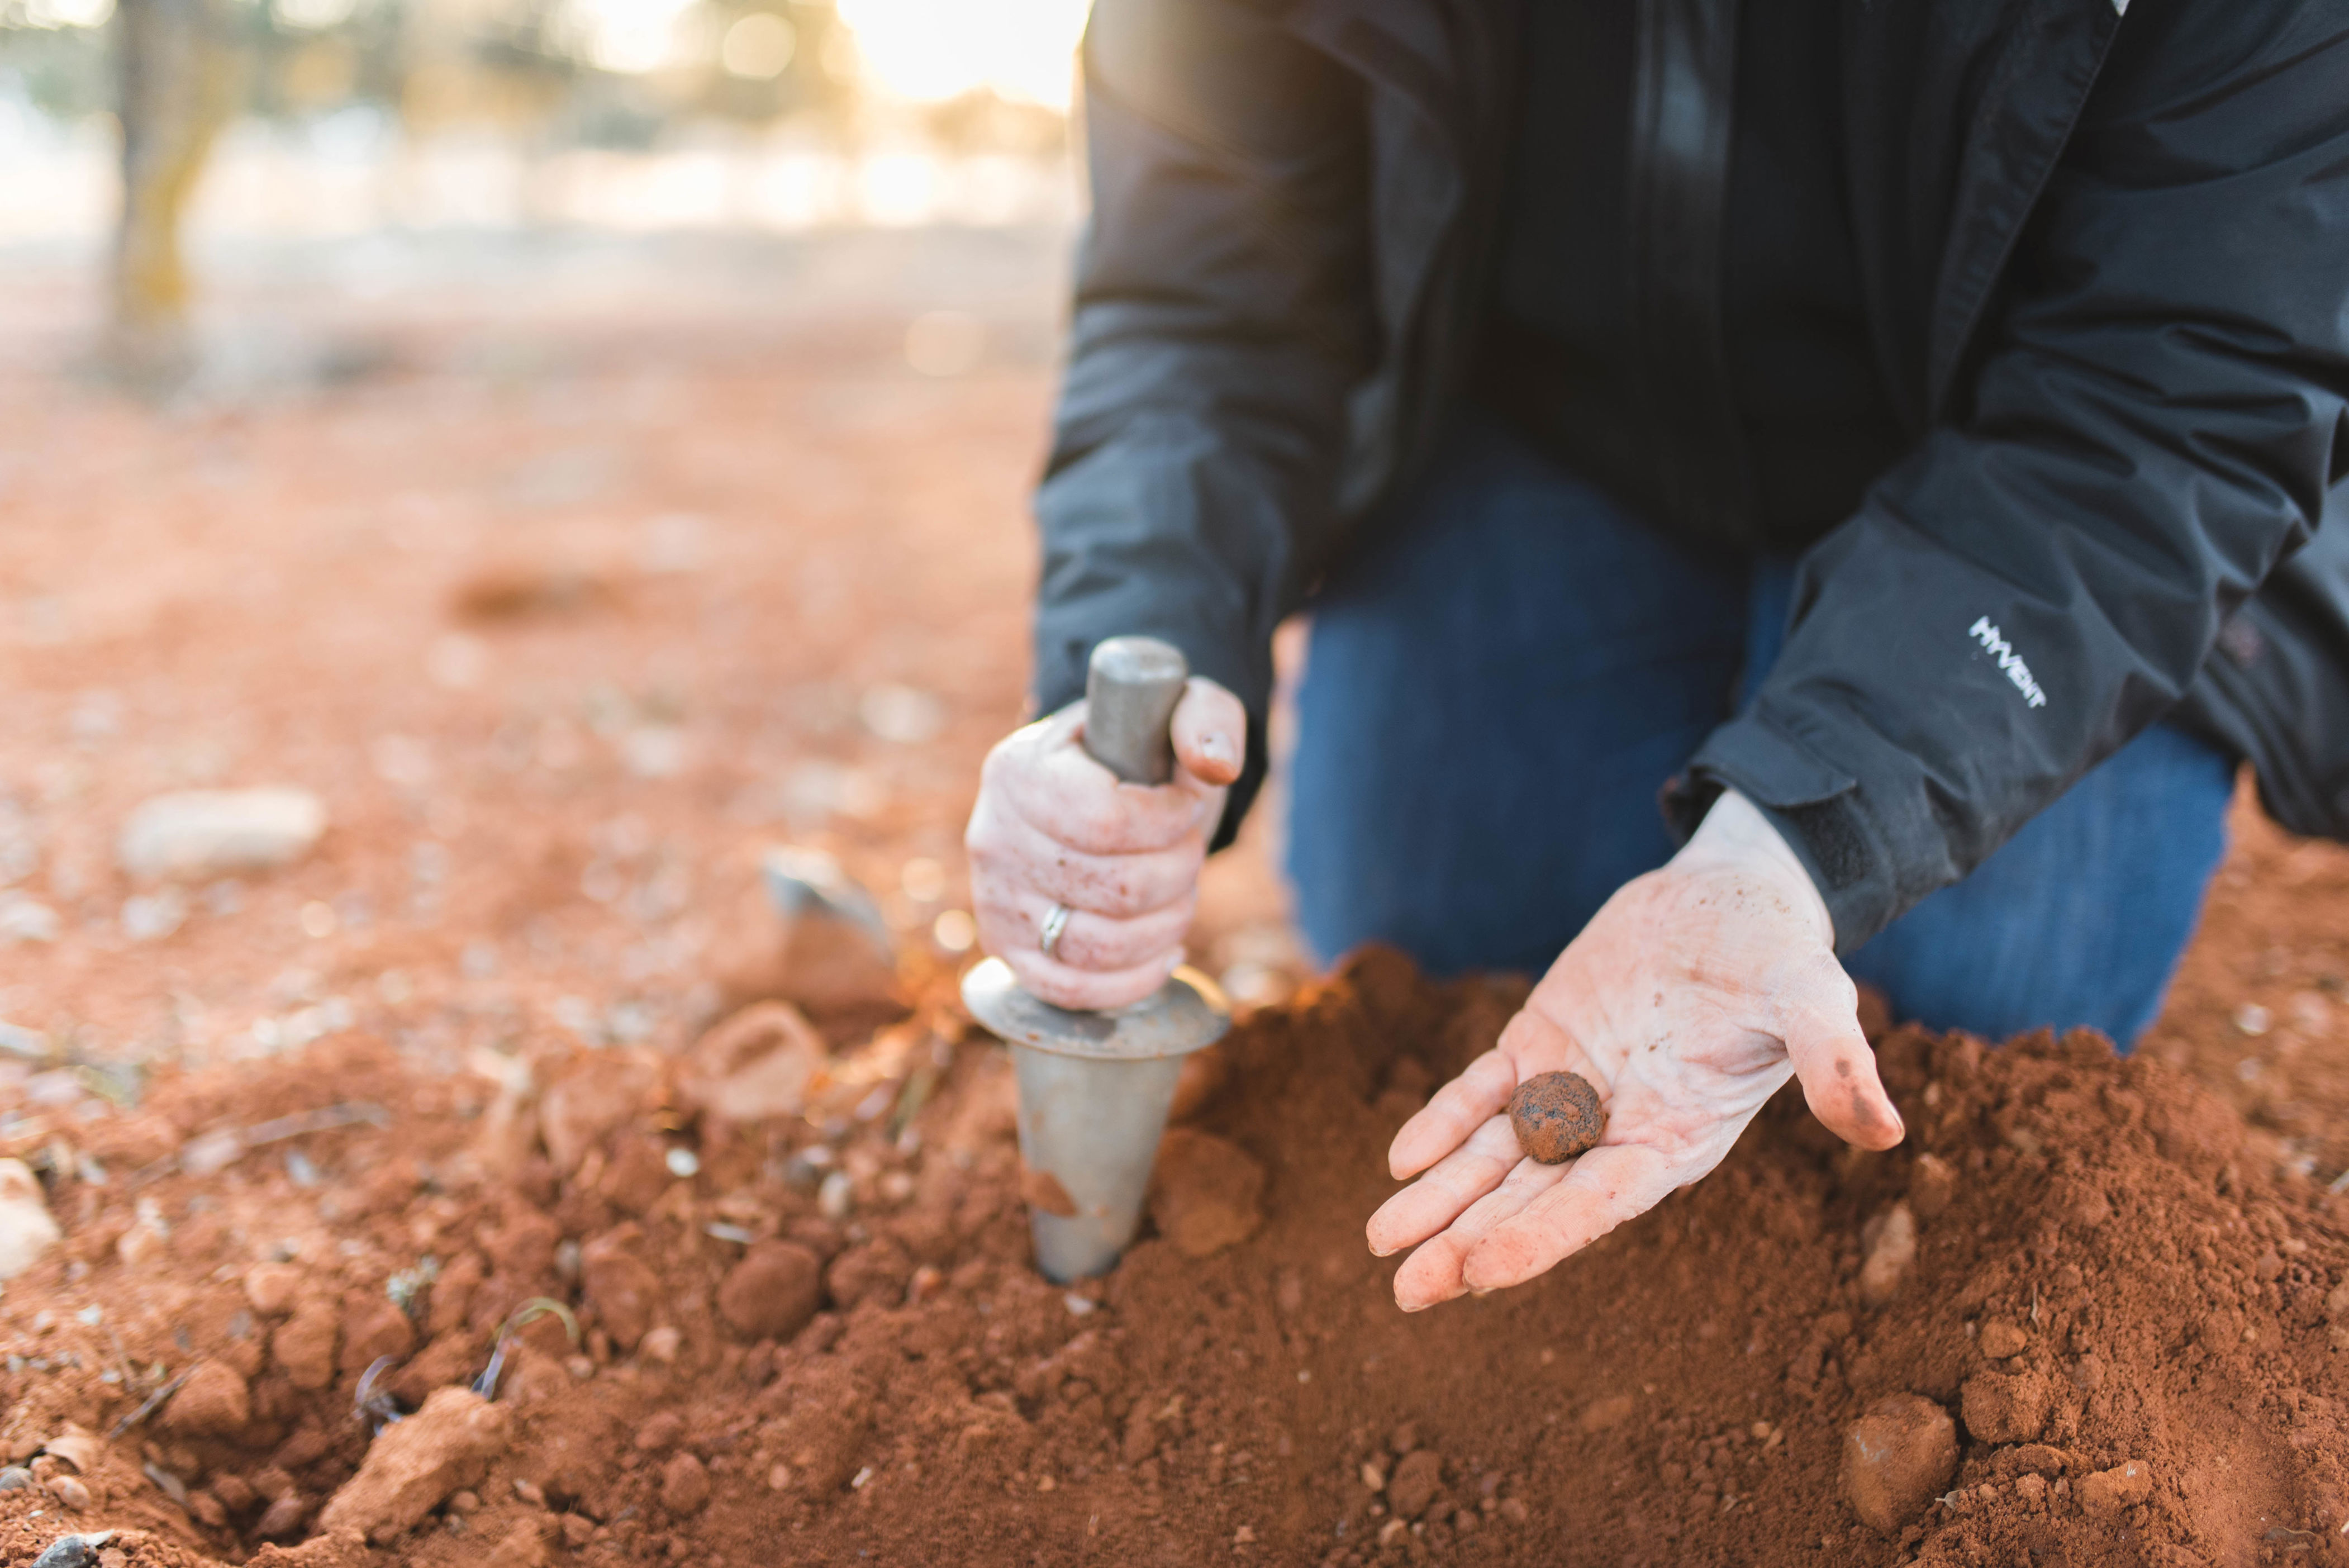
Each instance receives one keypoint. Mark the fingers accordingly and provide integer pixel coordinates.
(1084, 990)
(1433, 1274)
(1009, 856)
(1448, 1187)
(1612, 1183)
(1817, 1016)
(1210, 732)
(1013, 922)
(1042, 775)
(1458, 1109)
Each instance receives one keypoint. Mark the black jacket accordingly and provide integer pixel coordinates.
(2106, 252)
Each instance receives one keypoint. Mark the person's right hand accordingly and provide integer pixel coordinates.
(1054, 827)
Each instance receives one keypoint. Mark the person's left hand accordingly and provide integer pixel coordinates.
(1687, 1001)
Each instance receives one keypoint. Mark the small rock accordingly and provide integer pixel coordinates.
(662, 1343)
(1205, 1192)
(1891, 1252)
(2107, 1493)
(685, 1485)
(412, 1466)
(212, 1402)
(1898, 1455)
(1418, 1477)
(773, 1291)
(14, 1478)
(2001, 1339)
(756, 1066)
(2337, 1302)
(73, 1551)
(2006, 1407)
(27, 1228)
(283, 1517)
(196, 833)
(69, 1491)
(1932, 1183)
(1556, 1115)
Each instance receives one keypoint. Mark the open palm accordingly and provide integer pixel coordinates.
(1687, 1001)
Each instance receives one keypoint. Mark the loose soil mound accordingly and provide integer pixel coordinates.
(2127, 1322)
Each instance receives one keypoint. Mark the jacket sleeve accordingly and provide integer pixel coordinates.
(2153, 424)
(1222, 313)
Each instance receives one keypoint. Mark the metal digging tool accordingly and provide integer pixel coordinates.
(1096, 1087)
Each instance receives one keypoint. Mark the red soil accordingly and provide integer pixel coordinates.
(2103, 1279)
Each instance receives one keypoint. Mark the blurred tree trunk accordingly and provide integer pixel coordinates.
(174, 71)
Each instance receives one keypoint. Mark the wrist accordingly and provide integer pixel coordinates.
(1736, 831)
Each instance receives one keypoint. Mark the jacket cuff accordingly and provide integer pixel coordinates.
(1818, 809)
(1061, 656)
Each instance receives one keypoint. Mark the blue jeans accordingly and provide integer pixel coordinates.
(1498, 687)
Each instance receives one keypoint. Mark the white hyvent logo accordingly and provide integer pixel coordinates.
(1997, 648)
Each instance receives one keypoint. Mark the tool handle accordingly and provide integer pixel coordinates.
(1131, 688)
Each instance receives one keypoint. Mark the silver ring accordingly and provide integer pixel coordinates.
(1047, 937)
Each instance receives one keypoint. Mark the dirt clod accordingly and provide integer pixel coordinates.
(1899, 1454)
(1418, 1477)
(685, 1485)
(214, 1402)
(1206, 1193)
(773, 1291)
(2001, 1339)
(414, 1465)
(1556, 1115)
(2107, 1493)
(2007, 1407)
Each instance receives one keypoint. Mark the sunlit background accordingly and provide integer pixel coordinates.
(341, 117)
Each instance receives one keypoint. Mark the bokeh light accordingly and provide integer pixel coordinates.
(933, 50)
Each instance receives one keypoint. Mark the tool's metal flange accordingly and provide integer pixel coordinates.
(1186, 1014)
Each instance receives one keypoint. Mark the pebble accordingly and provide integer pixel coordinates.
(1418, 1477)
(773, 1291)
(69, 1491)
(685, 1485)
(27, 1228)
(73, 1551)
(1555, 1116)
(214, 832)
(1891, 1254)
(1897, 1457)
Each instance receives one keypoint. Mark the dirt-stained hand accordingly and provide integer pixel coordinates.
(1687, 1001)
(1054, 827)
